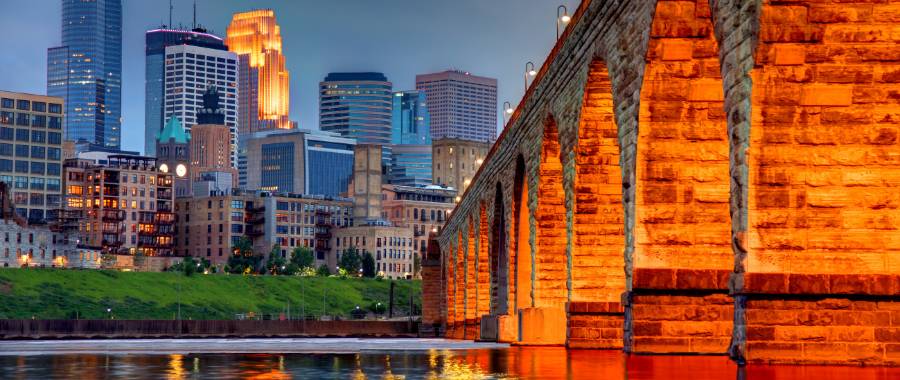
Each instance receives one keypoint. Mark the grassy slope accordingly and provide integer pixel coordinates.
(56, 294)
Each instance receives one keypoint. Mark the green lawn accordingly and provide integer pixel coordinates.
(59, 294)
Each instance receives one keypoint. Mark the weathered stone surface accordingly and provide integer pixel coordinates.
(671, 151)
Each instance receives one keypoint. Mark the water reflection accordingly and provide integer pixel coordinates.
(512, 363)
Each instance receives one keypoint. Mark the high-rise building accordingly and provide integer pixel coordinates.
(31, 128)
(411, 139)
(296, 161)
(263, 82)
(356, 105)
(211, 139)
(176, 79)
(86, 71)
(173, 155)
(456, 161)
(462, 105)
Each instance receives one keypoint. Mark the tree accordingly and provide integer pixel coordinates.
(275, 263)
(323, 271)
(243, 260)
(368, 265)
(351, 261)
(303, 257)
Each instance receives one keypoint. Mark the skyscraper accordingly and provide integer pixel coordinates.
(264, 82)
(356, 105)
(411, 139)
(181, 64)
(86, 71)
(462, 105)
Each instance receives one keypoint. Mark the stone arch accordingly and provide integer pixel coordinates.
(597, 261)
(682, 227)
(550, 261)
(682, 195)
(482, 265)
(521, 255)
(499, 257)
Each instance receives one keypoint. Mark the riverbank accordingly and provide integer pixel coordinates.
(99, 294)
(27, 329)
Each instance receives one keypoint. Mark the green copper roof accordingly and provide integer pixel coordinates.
(174, 130)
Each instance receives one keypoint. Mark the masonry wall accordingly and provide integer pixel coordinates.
(754, 143)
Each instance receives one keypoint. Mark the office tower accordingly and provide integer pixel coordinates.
(173, 155)
(297, 161)
(211, 140)
(86, 71)
(462, 105)
(329, 163)
(367, 184)
(121, 204)
(264, 82)
(456, 161)
(31, 128)
(356, 105)
(181, 65)
(411, 139)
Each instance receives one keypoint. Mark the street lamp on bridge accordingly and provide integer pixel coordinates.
(562, 18)
(529, 72)
(507, 112)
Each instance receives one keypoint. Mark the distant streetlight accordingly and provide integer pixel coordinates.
(562, 18)
(529, 72)
(109, 311)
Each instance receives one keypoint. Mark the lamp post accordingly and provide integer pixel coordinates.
(562, 18)
(507, 112)
(529, 72)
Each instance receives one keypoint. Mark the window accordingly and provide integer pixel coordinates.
(38, 136)
(37, 168)
(53, 169)
(23, 119)
(55, 154)
(6, 149)
(38, 121)
(54, 138)
(39, 107)
(55, 108)
(55, 122)
(6, 165)
(21, 166)
(6, 103)
(22, 135)
(38, 152)
(21, 150)
(23, 105)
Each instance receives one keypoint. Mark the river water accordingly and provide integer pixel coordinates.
(373, 359)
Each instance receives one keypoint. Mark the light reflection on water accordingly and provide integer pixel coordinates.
(512, 363)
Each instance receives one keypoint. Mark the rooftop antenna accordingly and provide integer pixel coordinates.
(170, 13)
(194, 25)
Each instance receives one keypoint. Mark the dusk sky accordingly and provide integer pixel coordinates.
(400, 38)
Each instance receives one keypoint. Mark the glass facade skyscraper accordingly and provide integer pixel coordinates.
(159, 92)
(356, 105)
(329, 163)
(86, 71)
(411, 138)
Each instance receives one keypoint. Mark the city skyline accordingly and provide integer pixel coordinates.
(485, 47)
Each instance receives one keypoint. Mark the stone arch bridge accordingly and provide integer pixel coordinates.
(695, 176)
